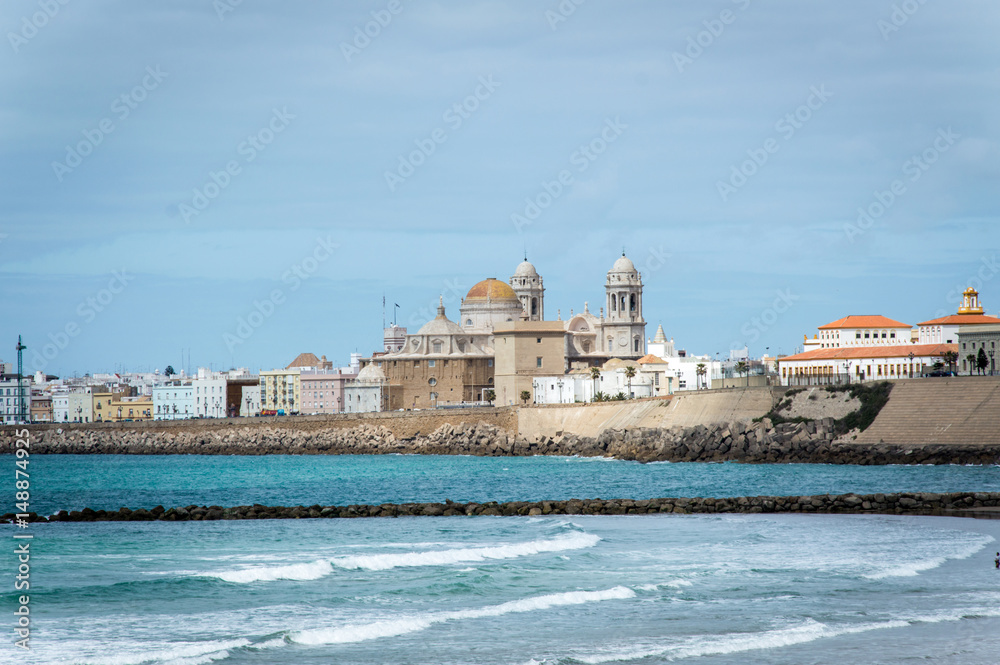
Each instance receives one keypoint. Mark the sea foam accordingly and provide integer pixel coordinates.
(410, 624)
(321, 568)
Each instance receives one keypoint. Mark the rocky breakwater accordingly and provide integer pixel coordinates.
(363, 439)
(955, 504)
(817, 442)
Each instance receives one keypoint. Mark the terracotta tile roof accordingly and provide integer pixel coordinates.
(864, 321)
(962, 320)
(859, 352)
(304, 360)
(649, 358)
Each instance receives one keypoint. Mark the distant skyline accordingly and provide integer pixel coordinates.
(174, 176)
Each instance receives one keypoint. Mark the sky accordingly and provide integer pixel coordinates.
(231, 183)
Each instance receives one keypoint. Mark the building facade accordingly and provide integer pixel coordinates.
(173, 400)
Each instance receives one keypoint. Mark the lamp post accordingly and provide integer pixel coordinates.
(847, 370)
(560, 384)
(910, 356)
(991, 362)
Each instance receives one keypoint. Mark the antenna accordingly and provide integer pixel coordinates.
(21, 402)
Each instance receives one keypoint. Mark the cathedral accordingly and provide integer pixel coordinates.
(450, 362)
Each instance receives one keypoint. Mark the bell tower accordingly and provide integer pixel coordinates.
(527, 284)
(624, 329)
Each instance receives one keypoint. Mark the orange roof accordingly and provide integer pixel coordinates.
(864, 321)
(860, 352)
(962, 320)
(304, 360)
(650, 358)
(491, 289)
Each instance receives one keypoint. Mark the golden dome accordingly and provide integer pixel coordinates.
(491, 290)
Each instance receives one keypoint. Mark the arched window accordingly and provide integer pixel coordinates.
(631, 302)
(534, 306)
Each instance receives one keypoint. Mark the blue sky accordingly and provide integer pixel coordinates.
(169, 169)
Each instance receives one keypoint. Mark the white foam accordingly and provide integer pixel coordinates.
(914, 568)
(808, 631)
(314, 570)
(672, 584)
(185, 653)
(298, 571)
(411, 624)
(573, 541)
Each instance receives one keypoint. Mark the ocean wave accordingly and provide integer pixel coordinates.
(314, 570)
(914, 568)
(411, 624)
(174, 654)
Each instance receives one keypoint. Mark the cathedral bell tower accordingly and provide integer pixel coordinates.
(624, 330)
(527, 284)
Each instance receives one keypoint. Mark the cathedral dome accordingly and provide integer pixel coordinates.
(492, 290)
(525, 269)
(371, 373)
(623, 264)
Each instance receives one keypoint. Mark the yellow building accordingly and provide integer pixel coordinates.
(115, 407)
(280, 390)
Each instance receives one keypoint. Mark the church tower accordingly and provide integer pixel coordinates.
(624, 330)
(527, 284)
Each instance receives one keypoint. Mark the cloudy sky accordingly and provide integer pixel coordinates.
(246, 180)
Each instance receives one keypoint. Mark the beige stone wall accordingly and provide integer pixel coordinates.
(518, 347)
(455, 380)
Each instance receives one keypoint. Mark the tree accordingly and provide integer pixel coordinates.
(169, 371)
(950, 357)
(490, 396)
(982, 362)
(742, 368)
(595, 374)
(629, 373)
(971, 359)
(700, 371)
(525, 396)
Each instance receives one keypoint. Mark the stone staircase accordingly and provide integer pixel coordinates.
(947, 410)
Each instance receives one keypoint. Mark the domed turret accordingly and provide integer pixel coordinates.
(527, 283)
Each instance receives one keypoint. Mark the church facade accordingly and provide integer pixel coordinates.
(450, 362)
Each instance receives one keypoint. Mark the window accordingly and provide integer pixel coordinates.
(432, 381)
(538, 361)
(489, 363)
(857, 335)
(892, 335)
(866, 334)
(437, 347)
(431, 363)
(538, 340)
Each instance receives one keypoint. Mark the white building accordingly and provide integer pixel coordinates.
(173, 401)
(250, 404)
(80, 405)
(366, 393)
(580, 386)
(210, 394)
(60, 405)
(866, 331)
(687, 372)
(945, 330)
(9, 399)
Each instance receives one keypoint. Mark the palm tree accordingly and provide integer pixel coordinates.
(525, 396)
(595, 374)
(742, 368)
(700, 371)
(629, 373)
(950, 357)
(971, 359)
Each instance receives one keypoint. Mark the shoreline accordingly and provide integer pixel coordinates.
(979, 505)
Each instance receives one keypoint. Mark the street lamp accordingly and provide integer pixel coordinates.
(847, 370)
(910, 356)
(991, 362)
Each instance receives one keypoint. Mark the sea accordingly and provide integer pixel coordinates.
(552, 590)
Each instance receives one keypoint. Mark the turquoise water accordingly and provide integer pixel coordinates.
(108, 482)
(569, 590)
